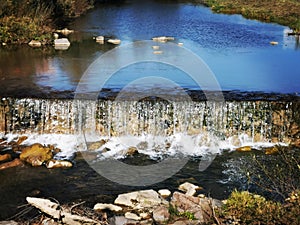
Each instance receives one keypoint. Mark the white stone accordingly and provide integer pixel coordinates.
(180, 44)
(158, 52)
(100, 39)
(34, 43)
(114, 41)
(55, 35)
(139, 199)
(164, 193)
(51, 164)
(65, 31)
(155, 47)
(132, 216)
(145, 215)
(188, 188)
(111, 207)
(163, 39)
(62, 42)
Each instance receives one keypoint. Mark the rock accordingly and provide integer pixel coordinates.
(34, 43)
(100, 39)
(180, 44)
(155, 47)
(132, 151)
(142, 145)
(271, 150)
(274, 43)
(9, 222)
(132, 216)
(65, 31)
(163, 39)
(55, 35)
(244, 149)
(139, 199)
(96, 145)
(61, 43)
(21, 139)
(158, 52)
(5, 158)
(121, 220)
(111, 207)
(114, 41)
(201, 208)
(164, 193)
(188, 188)
(14, 163)
(36, 154)
(56, 212)
(49, 221)
(145, 216)
(53, 163)
(161, 215)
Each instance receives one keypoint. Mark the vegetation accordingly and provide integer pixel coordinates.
(25, 20)
(285, 12)
(175, 213)
(246, 208)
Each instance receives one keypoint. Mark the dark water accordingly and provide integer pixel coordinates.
(237, 50)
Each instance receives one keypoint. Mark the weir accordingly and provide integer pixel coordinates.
(261, 121)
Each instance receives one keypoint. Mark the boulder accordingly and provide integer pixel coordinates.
(271, 150)
(65, 31)
(132, 216)
(188, 188)
(139, 199)
(5, 158)
(34, 43)
(61, 43)
(96, 145)
(244, 149)
(36, 154)
(53, 163)
(131, 151)
(161, 215)
(100, 39)
(111, 207)
(114, 41)
(21, 139)
(14, 163)
(201, 208)
(164, 193)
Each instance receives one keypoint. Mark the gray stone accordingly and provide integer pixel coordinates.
(161, 215)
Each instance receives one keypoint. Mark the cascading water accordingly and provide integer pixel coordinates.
(164, 126)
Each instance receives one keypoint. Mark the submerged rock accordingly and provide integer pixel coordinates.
(188, 188)
(100, 39)
(132, 151)
(36, 154)
(65, 31)
(96, 145)
(62, 43)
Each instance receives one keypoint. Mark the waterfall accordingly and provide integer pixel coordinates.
(259, 121)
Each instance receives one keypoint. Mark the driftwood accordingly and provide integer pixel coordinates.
(56, 212)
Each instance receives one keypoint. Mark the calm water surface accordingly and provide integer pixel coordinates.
(237, 50)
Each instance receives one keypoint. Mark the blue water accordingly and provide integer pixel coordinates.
(237, 50)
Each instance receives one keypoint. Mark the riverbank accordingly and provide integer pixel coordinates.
(284, 12)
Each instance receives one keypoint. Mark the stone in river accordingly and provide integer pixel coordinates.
(114, 41)
(14, 163)
(51, 164)
(244, 149)
(34, 43)
(188, 188)
(271, 150)
(5, 158)
(36, 154)
(96, 145)
(164, 193)
(131, 151)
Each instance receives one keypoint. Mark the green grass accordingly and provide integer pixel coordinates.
(285, 12)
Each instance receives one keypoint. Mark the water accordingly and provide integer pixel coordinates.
(237, 50)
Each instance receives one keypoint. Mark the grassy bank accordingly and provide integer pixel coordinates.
(284, 12)
(25, 20)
